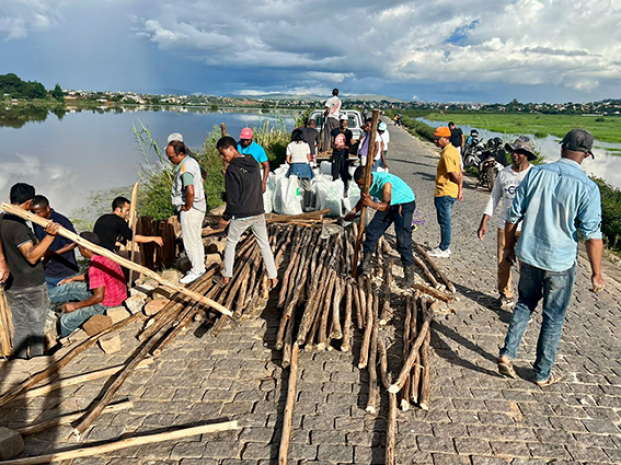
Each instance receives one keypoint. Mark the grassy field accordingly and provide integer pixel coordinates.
(605, 129)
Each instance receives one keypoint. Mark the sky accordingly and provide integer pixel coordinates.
(488, 51)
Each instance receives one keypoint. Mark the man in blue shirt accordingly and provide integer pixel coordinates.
(396, 207)
(552, 202)
(246, 146)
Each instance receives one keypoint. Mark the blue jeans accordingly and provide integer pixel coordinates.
(401, 215)
(444, 208)
(555, 287)
(76, 292)
(53, 289)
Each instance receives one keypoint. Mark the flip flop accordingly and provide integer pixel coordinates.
(506, 368)
(218, 281)
(553, 379)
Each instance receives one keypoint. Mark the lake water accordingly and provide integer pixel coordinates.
(606, 165)
(67, 160)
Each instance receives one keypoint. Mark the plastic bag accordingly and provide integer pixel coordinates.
(329, 194)
(288, 196)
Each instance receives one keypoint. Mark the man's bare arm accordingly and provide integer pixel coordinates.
(595, 248)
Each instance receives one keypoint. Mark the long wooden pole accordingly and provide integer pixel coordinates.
(115, 258)
(283, 449)
(124, 444)
(365, 190)
(132, 224)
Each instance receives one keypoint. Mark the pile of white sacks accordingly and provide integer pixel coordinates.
(284, 196)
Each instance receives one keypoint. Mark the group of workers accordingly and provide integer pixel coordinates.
(544, 206)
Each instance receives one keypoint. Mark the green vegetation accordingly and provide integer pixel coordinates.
(611, 214)
(13, 87)
(604, 129)
(157, 178)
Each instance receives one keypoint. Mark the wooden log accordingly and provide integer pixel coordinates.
(35, 379)
(346, 344)
(373, 400)
(6, 326)
(428, 274)
(358, 304)
(316, 216)
(285, 438)
(89, 451)
(385, 315)
(383, 359)
(368, 329)
(288, 342)
(368, 175)
(364, 307)
(337, 329)
(323, 341)
(413, 356)
(79, 379)
(132, 223)
(115, 258)
(174, 332)
(391, 429)
(434, 266)
(425, 358)
(35, 428)
(434, 292)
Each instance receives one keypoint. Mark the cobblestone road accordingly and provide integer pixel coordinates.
(477, 417)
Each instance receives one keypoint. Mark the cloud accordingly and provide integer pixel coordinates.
(19, 17)
(526, 42)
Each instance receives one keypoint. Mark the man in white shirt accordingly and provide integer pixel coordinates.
(522, 152)
(331, 117)
(382, 129)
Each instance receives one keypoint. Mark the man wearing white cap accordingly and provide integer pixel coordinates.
(246, 146)
(382, 129)
(331, 117)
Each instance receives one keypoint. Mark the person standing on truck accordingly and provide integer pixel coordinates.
(331, 117)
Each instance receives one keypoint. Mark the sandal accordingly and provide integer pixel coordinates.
(506, 368)
(553, 379)
(218, 281)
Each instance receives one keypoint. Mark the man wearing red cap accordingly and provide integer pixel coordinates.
(246, 146)
(449, 180)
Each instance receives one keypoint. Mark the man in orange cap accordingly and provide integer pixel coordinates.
(247, 146)
(449, 179)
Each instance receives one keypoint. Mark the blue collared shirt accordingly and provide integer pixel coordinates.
(553, 202)
(253, 149)
(401, 192)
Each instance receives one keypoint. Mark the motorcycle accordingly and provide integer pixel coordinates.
(473, 151)
(492, 161)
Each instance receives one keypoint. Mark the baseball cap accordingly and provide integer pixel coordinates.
(246, 133)
(382, 126)
(344, 117)
(442, 131)
(175, 136)
(522, 144)
(579, 140)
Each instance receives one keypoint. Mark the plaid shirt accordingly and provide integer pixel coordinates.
(103, 272)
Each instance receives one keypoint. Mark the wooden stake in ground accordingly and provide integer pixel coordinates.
(367, 184)
(434, 292)
(124, 444)
(283, 450)
(115, 258)
(132, 224)
(6, 326)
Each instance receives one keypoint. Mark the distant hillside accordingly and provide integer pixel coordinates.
(320, 98)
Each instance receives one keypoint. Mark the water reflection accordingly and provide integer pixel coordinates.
(71, 155)
(606, 164)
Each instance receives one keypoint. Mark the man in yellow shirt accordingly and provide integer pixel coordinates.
(449, 179)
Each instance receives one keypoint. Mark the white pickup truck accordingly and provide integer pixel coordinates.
(354, 123)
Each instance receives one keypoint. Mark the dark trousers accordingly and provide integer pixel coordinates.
(340, 166)
(401, 217)
(29, 308)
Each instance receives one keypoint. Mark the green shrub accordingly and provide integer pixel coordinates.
(611, 214)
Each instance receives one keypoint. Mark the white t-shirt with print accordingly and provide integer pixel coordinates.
(334, 107)
(505, 187)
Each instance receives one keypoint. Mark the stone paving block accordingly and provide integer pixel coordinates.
(435, 444)
(222, 449)
(330, 453)
(467, 446)
(253, 450)
(298, 451)
(327, 437)
(11, 444)
(188, 449)
(510, 448)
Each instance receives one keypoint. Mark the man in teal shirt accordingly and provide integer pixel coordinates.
(553, 201)
(396, 207)
(247, 146)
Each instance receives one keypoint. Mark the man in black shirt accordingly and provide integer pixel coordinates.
(310, 135)
(112, 227)
(26, 290)
(457, 137)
